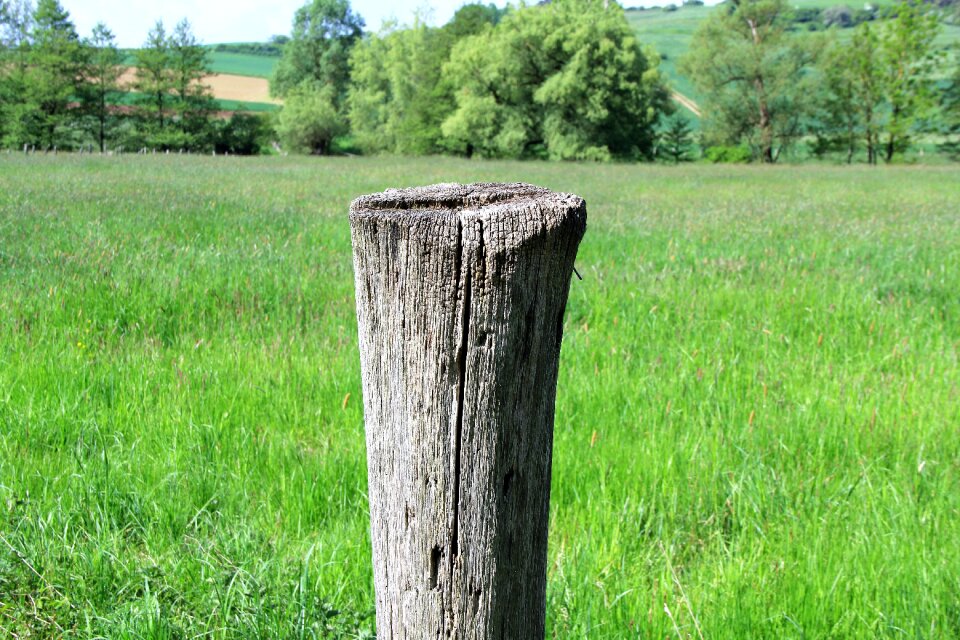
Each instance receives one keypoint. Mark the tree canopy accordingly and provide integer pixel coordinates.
(753, 74)
(318, 51)
(565, 80)
(878, 86)
(398, 95)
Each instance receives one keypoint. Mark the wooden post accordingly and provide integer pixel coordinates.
(461, 291)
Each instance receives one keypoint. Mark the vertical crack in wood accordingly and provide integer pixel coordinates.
(457, 436)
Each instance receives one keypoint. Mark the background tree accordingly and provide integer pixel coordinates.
(54, 74)
(398, 99)
(16, 24)
(950, 108)
(103, 77)
(879, 84)
(907, 59)
(850, 105)
(394, 79)
(837, 126)
(318, 52)
(16, 21)
(244, 134)
(192, 100)
(751, 71)
(471, 19)
(676, 139)
(154, 79)
(310, 119)
(565, 80)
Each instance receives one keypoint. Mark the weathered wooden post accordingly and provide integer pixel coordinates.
(461, 291)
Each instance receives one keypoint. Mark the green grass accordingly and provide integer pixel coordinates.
(242, 64)
(239, 105)
(756, 419)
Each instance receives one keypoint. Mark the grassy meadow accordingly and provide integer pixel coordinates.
(757, 415)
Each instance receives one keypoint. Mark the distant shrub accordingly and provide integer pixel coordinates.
(244, 134)
(728, 154)
(693, 3)
(865, 14)
(806, 15)
(270, 50)
(838, 16)
(670, 7)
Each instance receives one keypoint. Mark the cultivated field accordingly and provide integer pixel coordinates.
(242, 64)
(757, 411)
(225, 87)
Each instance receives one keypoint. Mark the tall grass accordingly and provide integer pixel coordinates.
(757, 419)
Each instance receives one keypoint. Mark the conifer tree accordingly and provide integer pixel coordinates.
(103, 79)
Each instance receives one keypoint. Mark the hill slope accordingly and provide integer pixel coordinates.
(671, 32)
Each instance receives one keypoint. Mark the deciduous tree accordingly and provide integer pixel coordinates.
(16, 22)
(398, 100)
(950, 108)
(907, 59)
(565, 80)
(310, 119)
(751, 71)
(878, 86)
(318, 52)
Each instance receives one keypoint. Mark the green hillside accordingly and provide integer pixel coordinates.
(670, 34)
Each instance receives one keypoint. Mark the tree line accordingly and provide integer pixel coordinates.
(568, 79)
(561, 80)
(62, 91)
(869, 95)
(565, 80)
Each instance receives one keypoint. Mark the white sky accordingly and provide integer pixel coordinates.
(217, 21)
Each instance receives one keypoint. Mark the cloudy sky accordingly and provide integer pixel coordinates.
(234, 21)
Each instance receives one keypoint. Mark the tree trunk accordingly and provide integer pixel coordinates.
(891, 136)
(766, 127)
(461, 292)
(102, 117)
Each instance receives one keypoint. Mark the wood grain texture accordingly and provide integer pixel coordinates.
(461, 291)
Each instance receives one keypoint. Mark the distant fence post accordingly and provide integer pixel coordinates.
(461, 291)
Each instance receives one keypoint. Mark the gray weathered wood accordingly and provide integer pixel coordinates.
(461, 291)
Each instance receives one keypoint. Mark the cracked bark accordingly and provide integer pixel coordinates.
(461, 291)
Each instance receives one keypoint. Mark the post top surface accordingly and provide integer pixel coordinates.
(453, 198)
